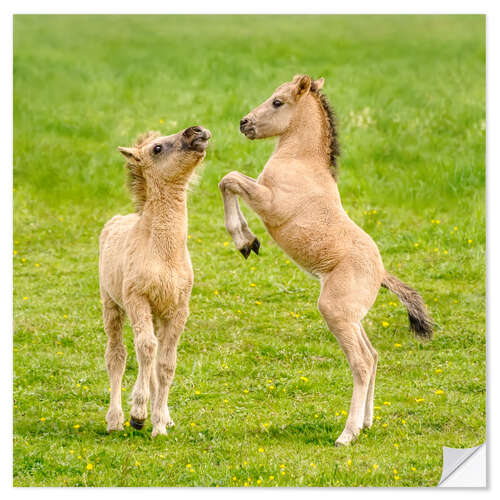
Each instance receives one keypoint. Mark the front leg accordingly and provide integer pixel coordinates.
(168, 332)
(256, 196)
(141, 320)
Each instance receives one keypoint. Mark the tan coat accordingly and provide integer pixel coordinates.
(145, 271)
(297, 198)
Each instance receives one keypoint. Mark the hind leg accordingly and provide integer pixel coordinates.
(116, 356)
(346, 295)
(368, 419)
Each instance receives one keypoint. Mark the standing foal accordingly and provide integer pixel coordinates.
(145, 271)
(297, 198)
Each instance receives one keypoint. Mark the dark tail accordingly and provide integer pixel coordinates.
(420, 321)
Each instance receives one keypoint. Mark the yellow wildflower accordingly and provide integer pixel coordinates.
(90, 466)
(261, 450)
(385, 324)
(439, 392)
(76, 426)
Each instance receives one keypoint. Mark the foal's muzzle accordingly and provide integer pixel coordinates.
(196, 138)
(247, 127)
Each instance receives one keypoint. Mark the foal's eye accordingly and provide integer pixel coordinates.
(157, 149)
(277, 103)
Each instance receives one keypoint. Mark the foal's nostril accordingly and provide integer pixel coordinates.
(197, 130)
(243, 122)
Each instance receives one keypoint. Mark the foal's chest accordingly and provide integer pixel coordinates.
(168, 288)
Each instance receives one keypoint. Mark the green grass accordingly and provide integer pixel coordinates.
(410, 98)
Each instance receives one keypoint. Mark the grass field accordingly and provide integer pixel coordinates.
(262, 388)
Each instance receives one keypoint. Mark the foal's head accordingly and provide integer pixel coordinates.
(274, 116)
(169, 158)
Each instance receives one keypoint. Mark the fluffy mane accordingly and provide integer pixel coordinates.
(135, 179)
(332, 131)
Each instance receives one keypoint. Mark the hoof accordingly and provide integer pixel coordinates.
(136, 424)
(245, 251)
(112, 428)
(159, 432)
(256, 246)
(346, 438)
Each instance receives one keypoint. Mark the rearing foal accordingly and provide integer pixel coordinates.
(297, 198)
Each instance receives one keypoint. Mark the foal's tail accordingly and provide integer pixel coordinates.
(420, 321)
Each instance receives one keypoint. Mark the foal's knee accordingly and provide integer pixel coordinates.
(146, 346)
(165, 372)
(116, 354)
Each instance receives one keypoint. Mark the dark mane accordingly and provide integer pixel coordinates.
(332, 127)
(135, 179)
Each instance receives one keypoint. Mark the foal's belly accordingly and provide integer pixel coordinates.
(311, 248)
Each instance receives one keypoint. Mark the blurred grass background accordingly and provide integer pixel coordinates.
(261, 386)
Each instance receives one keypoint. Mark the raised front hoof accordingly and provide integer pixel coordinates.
(136, 423)
(245, 251)
(256, 246)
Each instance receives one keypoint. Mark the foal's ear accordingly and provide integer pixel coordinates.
(317, 84)
(131, 154)
(303, 86)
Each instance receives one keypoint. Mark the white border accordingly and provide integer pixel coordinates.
(268, 7)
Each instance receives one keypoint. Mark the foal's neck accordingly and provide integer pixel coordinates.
(164, 217)
(306, 138)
